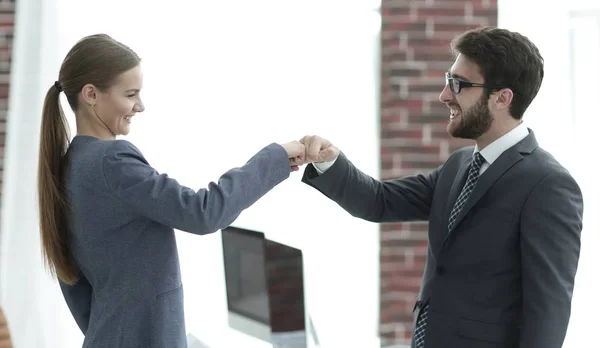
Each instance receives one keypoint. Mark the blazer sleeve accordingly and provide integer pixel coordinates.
(161, 198)
(551, 225)
(79, 301)
(406, 199)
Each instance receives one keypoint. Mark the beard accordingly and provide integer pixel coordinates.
(473, 122)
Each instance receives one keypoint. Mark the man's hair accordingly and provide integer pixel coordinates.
(506, 59)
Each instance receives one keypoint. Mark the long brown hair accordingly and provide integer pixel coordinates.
(98, 60)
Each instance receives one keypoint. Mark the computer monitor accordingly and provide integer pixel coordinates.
(246, 282)
(265, 287)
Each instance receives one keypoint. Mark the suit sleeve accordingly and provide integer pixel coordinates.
(551, 225)
(161, 198)
(406, 199)
(79, 301)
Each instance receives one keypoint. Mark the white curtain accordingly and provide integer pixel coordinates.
(36, 312)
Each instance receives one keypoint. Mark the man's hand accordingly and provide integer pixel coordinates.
(296, 153)
(318, 149)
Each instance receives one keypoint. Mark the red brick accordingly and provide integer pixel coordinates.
(389, 13)
(427, 86)
(402, 23)
(404, 283)
(446, 4)
(414, 133)
(423, 53)
(433, 12)
(394, 53)
(403, 70)
(399, 103)
(440, 40)
(455, 144)
(7, 21)
(397, 311)
(453, 28)
(392, 4)
(391, 118)
(393, 226)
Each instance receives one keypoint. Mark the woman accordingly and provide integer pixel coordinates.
(108, 218)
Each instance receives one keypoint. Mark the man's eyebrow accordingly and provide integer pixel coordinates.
(457, 76)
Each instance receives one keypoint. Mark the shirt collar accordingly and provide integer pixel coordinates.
(505, 142)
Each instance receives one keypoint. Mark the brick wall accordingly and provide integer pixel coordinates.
(415, 54)
(7, 14)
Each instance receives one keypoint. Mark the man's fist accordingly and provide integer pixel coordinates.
(318, 149)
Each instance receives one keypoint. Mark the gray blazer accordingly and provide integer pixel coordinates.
(121, 233)
(503, 277)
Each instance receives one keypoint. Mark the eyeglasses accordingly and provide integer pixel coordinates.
(457, 85)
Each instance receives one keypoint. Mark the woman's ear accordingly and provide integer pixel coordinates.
(89, 93)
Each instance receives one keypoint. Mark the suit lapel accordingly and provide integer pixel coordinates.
(457, 185)
(487, 179)
(508, 159)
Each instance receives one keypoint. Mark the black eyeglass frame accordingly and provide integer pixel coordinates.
(456, 85)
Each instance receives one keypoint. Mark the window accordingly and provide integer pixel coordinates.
(584, 55)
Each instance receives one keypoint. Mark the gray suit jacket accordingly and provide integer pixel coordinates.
(121, 223)
(503, 277)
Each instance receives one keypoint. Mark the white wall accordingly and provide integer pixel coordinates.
(222, 80)
(565, 119)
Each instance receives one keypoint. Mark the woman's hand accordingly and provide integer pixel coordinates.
(296, 153)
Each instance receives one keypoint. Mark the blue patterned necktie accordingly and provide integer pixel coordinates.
(467, 189)
(419, 335)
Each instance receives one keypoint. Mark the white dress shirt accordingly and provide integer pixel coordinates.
(491, 152)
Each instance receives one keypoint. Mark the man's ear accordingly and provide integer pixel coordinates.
(503, 98)
(89, 93)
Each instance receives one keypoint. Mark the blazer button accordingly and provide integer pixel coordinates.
(441, 271)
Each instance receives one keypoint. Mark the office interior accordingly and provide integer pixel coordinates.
(222, 79)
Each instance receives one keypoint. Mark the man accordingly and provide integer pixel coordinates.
(505, 217)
